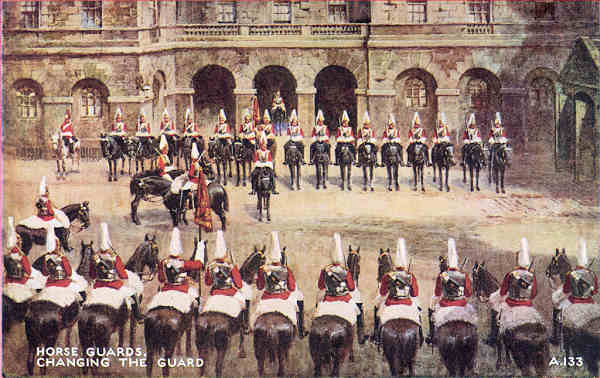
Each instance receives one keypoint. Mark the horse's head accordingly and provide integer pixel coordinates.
(87, 251)
(559, 265)
(353, 262)
(507, 154)
(83, 214)
(251, 265)
(449, 152)
(384, 263)
(150, 257)
(56, 141)
(443, 263)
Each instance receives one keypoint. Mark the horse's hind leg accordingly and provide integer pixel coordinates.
(421, 169)
(447, 169)
(268, 204)
(30, 356)
(364, 169)
(349, 177)
(298, 175)
(415, 176)
(371, 177)
(389, 173)
(237, 168)
(502, 181)
(149, 361)
(477, 178)
(121, 335)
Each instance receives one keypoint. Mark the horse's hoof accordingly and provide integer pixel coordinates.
(441, 189)
(238, 184)
(464, 181)
(364, 189)
(318, 187)
(349, 188)
(291, 188)
(414, 189)
(447, 189)
(268, 219)
(477, 188)
(243, 184)
(423, 190)
(497, 191)
(372, 189)
(503, 191)
(390, 188)
(397, 188)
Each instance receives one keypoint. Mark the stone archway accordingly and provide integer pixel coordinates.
(585, 126)
(415, 92)
(480, 94)
(336, 92)
(159, 99)
(213, 90)
(90, 112)
(541, 116)
(267, 82)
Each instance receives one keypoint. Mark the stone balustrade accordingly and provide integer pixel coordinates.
(274, 30)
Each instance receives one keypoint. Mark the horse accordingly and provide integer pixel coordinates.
(321, 161)
(400, 337)
(391, 157)
(215, 329)
(272, 147)
(419, 160)
(163, 328)
(112, 151)
(263, 193)
(186, 149)
(60, 152)
(145, 148)
(147, 185)
(475, 159)
(442, 156)
(527, 343)
(76, 211)
(243, 152)
(367, 159)
(346, 160)
(331, 336)
(582, 342)
(293, 159)
(221, 153)
(500, 159)
(219, 203)
(129, 152)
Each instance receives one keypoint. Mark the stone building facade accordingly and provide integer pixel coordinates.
(392, 56)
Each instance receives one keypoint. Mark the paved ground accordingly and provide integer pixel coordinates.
(546, 207)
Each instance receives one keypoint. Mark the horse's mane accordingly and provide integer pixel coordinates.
(251, 265)
(384, 263)
(71, 207)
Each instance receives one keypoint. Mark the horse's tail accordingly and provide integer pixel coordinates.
(225, 200)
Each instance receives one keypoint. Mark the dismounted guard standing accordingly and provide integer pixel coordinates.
(417, 134)
(164, 163)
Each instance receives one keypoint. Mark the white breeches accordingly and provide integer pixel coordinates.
(36, 281)
(296, 295)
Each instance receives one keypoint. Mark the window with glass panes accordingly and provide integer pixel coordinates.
(337, 12)
(478, 93)
(191, 12)
(91, 103)
(416, 93)
(27, 101)
(91, 14)
(226, 12)
(417, 12)
(479, 11)
(282, 11)
(30, 14)
(544, 10)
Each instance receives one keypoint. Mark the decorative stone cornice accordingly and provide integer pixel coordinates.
(306, 91)
(447, 92)
(381, 92)
(184, 91)
(244, 91)
(126, 99)
(57, 100)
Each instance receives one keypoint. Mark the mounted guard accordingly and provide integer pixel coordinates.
(262, 160)
(66, 131)
(497, 135)
(417, 134)
(391, 136)
(247, 130)
(320, 134)
(398, 294)
(471, 137)
(279, 112)
(143, 126)
(223, 132)
(163, 161)
(452, 290)
(296, 136)
(108, 271)
(367, 134)
(345, 135)
(167, 126)
(186, 184)
(267, 129)
(341, 296)
(225, 282)
(441, 135)
(119, 129)
(281, 293)
(191, 128)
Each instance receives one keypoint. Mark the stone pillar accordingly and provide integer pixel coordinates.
(447, 100)
(361, 106)
(242, 101)
(514, 106)
(381, 104)
(306, 108)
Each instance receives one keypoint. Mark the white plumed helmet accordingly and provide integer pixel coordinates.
(524, 261)
(345, 117)
(401, 258)
(222, 115)
(195, 154)
(50, 240)
(337, 256)
(11, 240)
(188, 114)
(221, 247)
(294, 116)
(366, 118)
(471, 120)
(452, 254)
(43, 186)
(200, 251)
(163, 143)
(320, 116)
(165, 113)
(275, 255)
(582, 259)
(416, 120)
(104, 237)
(266, 115)
(175, 248)
(498, 118)
(443, 119)
(391, 119)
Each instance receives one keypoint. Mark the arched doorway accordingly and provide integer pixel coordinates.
(480, 94)
(90, 112)
(541, 117)
(336, 92)
(159, 101)
(24, 118)
(415, 92)
(213, 90)
(271, 79)
(587, 163)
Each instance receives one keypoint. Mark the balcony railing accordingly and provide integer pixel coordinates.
(478, 29)
(274, 30)
(343, 29)
(209, 30)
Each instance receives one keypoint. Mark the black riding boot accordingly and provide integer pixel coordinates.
(137, 314)
(430, 337)
(360, 323)
(300, 315)
(246, 318)
(375, 335)
(493, 336)
(556, 331)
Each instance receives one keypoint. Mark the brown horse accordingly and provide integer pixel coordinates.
(43, 323)
(401, 338)
(215, 329)
(527, 343)
(579, 342)
(331, 336)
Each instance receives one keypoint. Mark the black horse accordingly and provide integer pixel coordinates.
(186, 149)
(243, 152)
(175, 143)
(112, 151)
(442, 158)
(148, 185)
(419, 161)
(367, 159)
(391, 157)
(500, 159)
(146, 148)
(321, 161)
(475, 159)
(219, 203)
(293, 159)
(76, 211)
(221, 153)
(264, 188)
(346, 160)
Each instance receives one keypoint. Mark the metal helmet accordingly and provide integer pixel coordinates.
(221, 247)
(498, 119)
(320, 116)
(452, 254)
(118, 113)
(337, 256)
(43, 186)
(200, 251)
(294, 116)
(582, 259)
(246, 115)
(165, 113)
(443, 119)
(524, 259)
(105, 243)
(416, 120)
(275, 255)
(391, 120)
(471, 120)
(345, 117)
(175, 248)
(188, 115)
(401, 258)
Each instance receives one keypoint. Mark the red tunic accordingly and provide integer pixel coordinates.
(60, 283)
(413, 132)
(447, 302)
(118, 129)
(220, 127)
(506, 285)
(349, 283)
(115, 284)
(297, 131)
(66, 129)
(237, 281)
(445, 133)
(385, 288)
(366, 133)
(314, 132)
(466, 134)
(492, 133)
(350, 134)
(266, 155)
(260, 284)
(188, 266)
(567, 290)
(169, 126)
(163, 164)
(49, 211)
(393, 133)
(250, 128)
(26, 268)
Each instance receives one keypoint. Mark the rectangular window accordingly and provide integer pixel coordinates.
(30, 14)
(91, 14)
(192, 12)
(359, 11)
(544, 10)
(226, 12)
(90, 103)
(282, 12)
(27, 104)
(337, 12)
(479, 11)
(417, 12)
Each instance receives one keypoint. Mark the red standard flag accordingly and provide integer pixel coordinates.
(203, 216)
